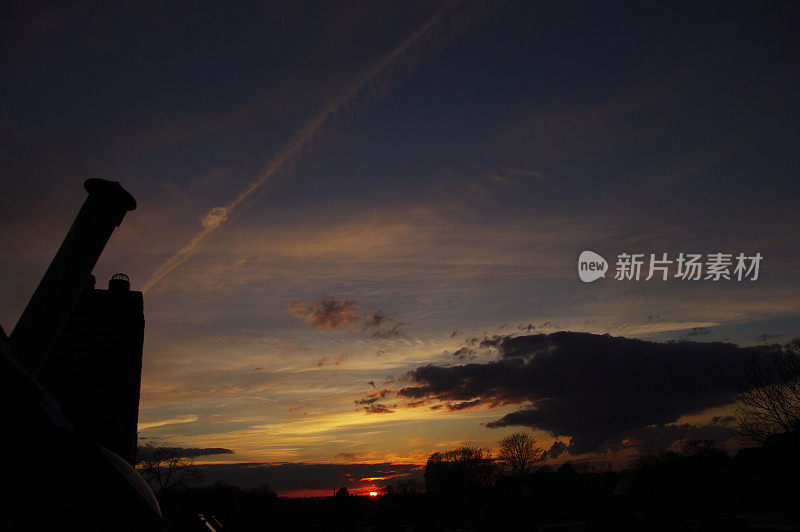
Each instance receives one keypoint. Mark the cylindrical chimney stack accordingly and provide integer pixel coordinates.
(48, 309)
(119, 282)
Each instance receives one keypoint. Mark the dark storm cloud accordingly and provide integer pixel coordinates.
(148, 451)
(658, 437)
(557, 449)
(594, 388)
(464, 353)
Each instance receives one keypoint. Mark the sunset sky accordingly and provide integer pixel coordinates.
(333, 197)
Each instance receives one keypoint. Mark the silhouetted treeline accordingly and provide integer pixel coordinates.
(699, 487)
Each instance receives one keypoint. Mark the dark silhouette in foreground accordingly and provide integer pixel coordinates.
(698, 487)
(59, 476)
(769, 394)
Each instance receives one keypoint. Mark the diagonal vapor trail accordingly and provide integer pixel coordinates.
(439, 31)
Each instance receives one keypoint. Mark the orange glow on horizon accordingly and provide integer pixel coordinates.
(363, 491)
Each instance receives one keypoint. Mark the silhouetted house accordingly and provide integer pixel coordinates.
(766, 477)
(94, 369)
(779, 450)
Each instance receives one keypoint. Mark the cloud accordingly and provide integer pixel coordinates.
(188, 418)
(593, 388)
(658, 437)
(464, 353)
(328, 313)
(373, 397)
(214, 218)
(375, 320)
(557, 449)
(445, 25)
(286, 478)
(766, 337)
(697, 331)
(148, 451)
(464, 405)
(378, 409)
(326, 359)
(380, 319)
(396, 330)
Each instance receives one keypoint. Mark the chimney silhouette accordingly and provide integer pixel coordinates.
(59, 289)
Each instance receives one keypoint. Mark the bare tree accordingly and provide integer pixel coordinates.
(769, 395)
(462, 470)
(518, 453)
(167, 469)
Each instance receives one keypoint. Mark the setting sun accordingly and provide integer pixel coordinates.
(373, 493)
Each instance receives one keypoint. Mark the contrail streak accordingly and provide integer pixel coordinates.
(430, 39)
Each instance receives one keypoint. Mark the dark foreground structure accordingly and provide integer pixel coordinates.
(700, 488)
(58, 464)
(94, 369)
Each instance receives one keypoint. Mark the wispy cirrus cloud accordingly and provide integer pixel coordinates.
(188, 418)
(327, 359)
(427, 41)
